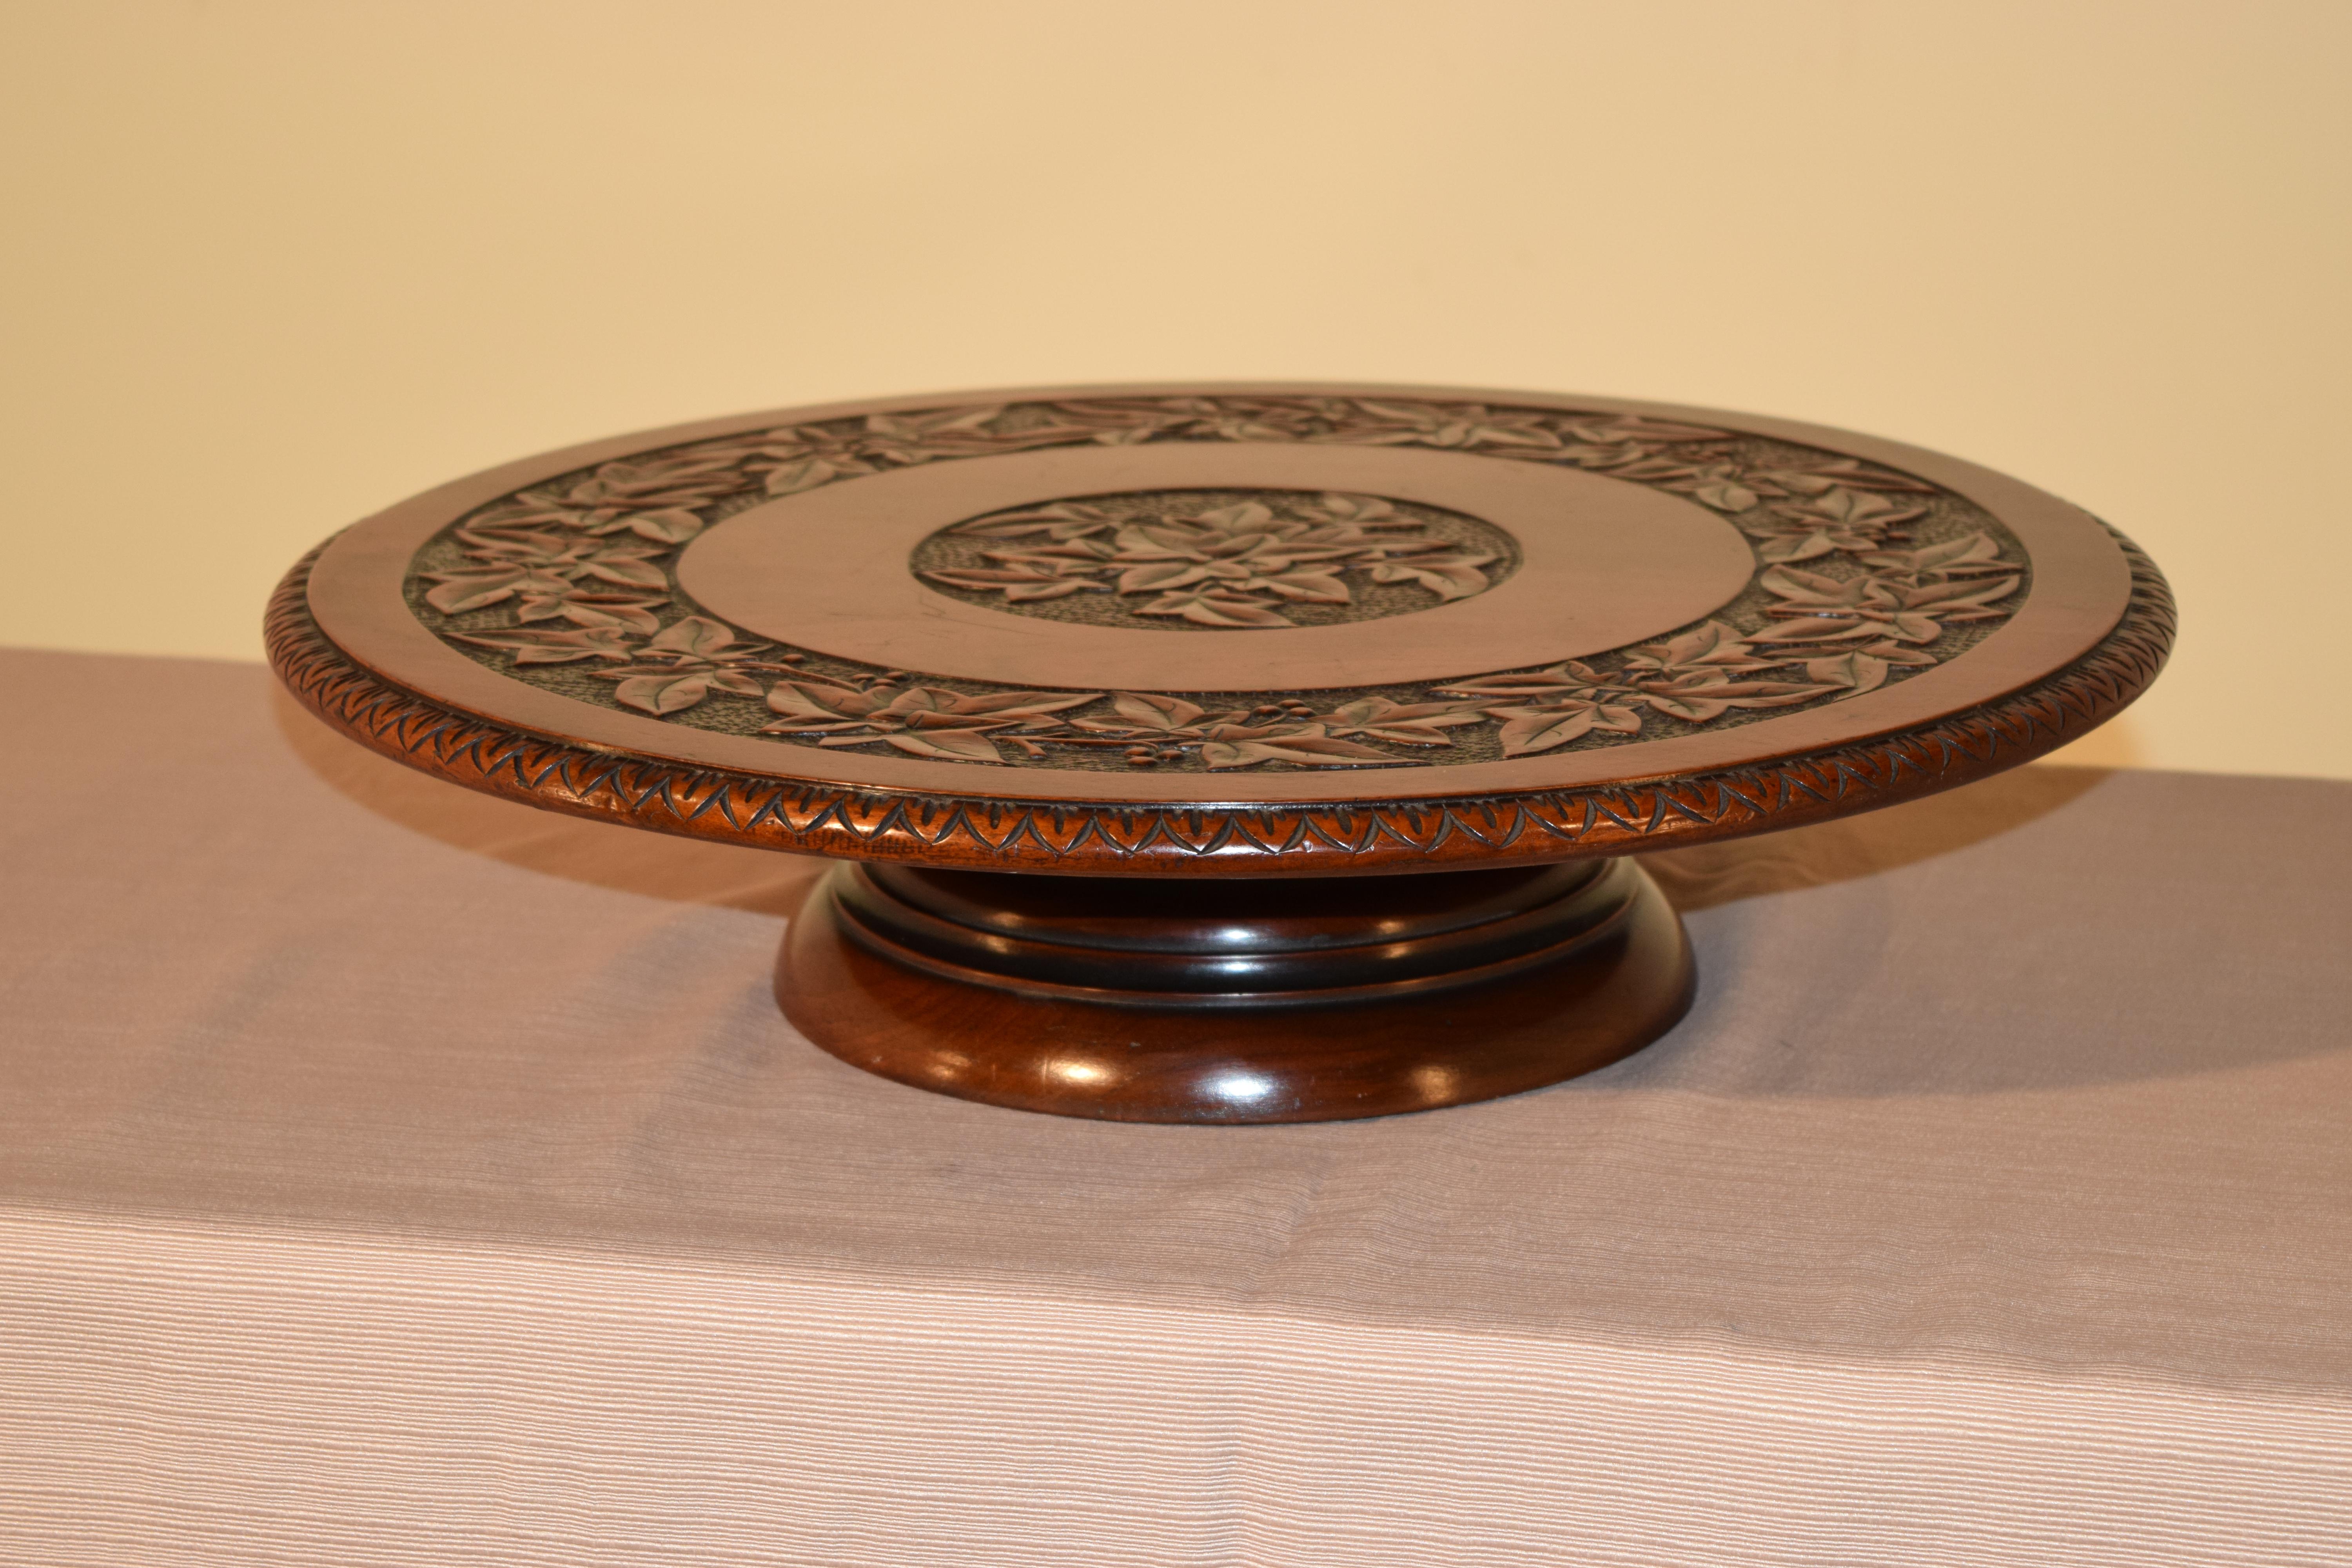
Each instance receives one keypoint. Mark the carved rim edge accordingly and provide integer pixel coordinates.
(1110, 838)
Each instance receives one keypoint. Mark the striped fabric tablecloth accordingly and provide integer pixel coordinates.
(390, 1175)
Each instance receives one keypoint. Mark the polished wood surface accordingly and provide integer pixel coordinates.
(1225, 944)
(1226, 753)
(1609, 973)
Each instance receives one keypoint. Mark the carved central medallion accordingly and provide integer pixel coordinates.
(1217, 560)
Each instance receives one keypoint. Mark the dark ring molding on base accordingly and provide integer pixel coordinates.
(1227, 945)
(1501, 982)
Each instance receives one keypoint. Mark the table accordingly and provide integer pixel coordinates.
(1991, 1206)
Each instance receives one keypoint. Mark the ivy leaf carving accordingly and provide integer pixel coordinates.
(1797, 547)
(1895, 653)
(1827, 472)
(554, 648)
(1061, 522)
(1812, 590)
(461, 591)
(1858, 672)
(652, 483)
(1060, 587)
(1018, 585)
(1079, 555)
(1527, 731)
(696, 634)
(946, 422)
(1966, 600)
(1824, 628)
(1625, 428)
(1211, 609)
(1154, 712)
(532, 506)
(1540, 728)
(1849, 505)
(1975, 552)
(1694, 710)
(921, 703)
(1713, 645)
(671, 525)
(1233, 518)
(602, 610)
(958, 745)
(1418, 732)
(1354, 509)
(1408, 723)
(791, 479)
(1699, 698)
(1159, 577)
(1308, 745)
(628, 573)
(1450, 576)
(1559, 677)
(1311, 587)
(1226, 555)
(664, 694)
(819, 701)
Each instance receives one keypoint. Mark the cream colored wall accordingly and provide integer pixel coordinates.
(272, 264)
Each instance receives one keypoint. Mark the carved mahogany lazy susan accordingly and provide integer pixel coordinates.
(1225, 753)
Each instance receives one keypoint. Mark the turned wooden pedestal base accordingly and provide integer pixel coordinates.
(1234, 1000)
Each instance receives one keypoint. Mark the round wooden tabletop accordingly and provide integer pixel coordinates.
(1239, 630)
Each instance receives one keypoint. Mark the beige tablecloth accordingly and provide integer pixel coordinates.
(393, 1176)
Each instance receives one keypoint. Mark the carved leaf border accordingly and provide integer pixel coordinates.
(571, 583)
